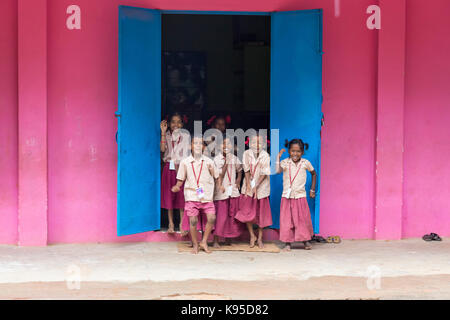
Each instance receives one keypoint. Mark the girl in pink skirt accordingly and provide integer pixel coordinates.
(295, 218)
(226, 193)
(174, 143)
(254, 206)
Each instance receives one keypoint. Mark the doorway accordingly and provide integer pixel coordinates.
(293, 111)
(215, 65)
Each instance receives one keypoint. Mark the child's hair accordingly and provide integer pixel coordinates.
(183, 117)
(303, 146)
(212, 121)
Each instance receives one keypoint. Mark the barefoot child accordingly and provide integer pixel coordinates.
(295, 218)
(226, 193)
(197, 172)
(172, 142)
(254, 206)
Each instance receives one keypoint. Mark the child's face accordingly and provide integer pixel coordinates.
(220, 125)
(295, 152)
(175, 123)
(227, 146)
(197, 145)
(253, 144)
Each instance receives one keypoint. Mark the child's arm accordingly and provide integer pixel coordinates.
(312, 191)
(177, 187)
(163, 144)
(277, 164)
(247, 180)
(238, 180)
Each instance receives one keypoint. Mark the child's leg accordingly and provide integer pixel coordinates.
(183, 232)
(252, 234)
(216, 242)
(209, 225)
(260, 238)
(171, 226)
(193, 229)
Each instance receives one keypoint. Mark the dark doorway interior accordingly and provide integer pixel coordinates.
(216, 64)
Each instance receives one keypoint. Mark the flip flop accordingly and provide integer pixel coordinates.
(329, 239)
(435, 237)
(319, 239)
(427, 237)
(336, 239)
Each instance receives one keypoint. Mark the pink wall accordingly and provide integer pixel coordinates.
(427, 117)
(8, 122)
(82, 98)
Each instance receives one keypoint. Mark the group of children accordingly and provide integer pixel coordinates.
(209, 195)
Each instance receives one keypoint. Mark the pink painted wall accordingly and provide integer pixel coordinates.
(427, 117)
(82, 86)
(8, 122)
(82, 99)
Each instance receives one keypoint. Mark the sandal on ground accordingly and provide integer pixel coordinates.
(329, 240)
(427, 237)
(435, 237)
(319, 239)
(337, 239)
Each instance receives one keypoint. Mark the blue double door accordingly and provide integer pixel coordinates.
(295, 104)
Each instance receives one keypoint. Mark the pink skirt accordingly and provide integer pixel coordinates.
(295, 220)
(201, 224)
(256, 211)
(169, 199)
(226, 225)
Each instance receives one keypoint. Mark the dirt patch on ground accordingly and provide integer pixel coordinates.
(330, 287)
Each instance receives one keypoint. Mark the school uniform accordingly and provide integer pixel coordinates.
(227, 203)
(176, 144)
(196, 176)
(255, 208)
(295, 217)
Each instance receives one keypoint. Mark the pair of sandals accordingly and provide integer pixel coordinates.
(432, 237)
(334, 239)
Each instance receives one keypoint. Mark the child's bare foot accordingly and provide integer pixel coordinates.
(171, 229)
(252, 241)
(260, 243)
(216, 244)
(308, 245)
(204, 246)
(195, 249)
(184, 233)
(287, 247)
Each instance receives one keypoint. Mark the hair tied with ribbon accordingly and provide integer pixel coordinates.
(247, 141)
(210, 120)
(268, 142)
(228, 119)
(185, 118)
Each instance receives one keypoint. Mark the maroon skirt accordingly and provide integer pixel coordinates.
(169, 199)
(295, 220)
(256, 211)
(226, 224)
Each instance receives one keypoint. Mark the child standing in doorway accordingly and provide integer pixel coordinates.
(254, 205)
(226, 193)
(197, 173)
(295, 217)
(220, 123)
(172, 145)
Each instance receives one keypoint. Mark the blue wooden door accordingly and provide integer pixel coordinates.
(296, 92)
(138, 205)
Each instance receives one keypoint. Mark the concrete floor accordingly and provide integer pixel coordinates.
(363, 269)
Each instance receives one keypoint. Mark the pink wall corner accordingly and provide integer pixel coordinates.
(8, 122)
(82, 98)
(427, 116)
